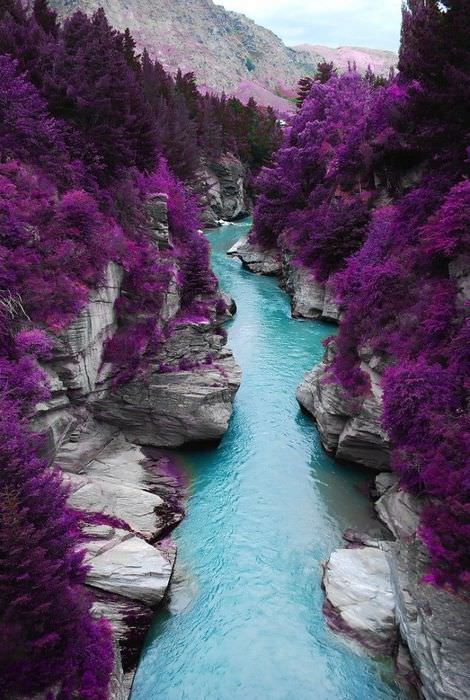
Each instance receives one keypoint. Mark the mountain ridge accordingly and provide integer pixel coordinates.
(226, 50)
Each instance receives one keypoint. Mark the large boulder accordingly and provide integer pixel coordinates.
(360, 599)
(126, 565)
(177, 406)
(256, 259)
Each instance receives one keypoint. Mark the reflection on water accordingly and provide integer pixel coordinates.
(265, 509)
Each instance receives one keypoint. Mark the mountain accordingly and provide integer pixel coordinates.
(226, 50)
(379, 60)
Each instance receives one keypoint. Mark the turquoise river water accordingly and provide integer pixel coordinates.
(266, 507)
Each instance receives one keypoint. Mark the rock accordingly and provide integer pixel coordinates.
(222, 190)
(459, 270)
(400, 512)
(331, 310)
(126, 565)
(179, 406)
(169, 410)
(434, 623)
(385, 481)
(256, 259)
(308, 295)
(133, 506)
(157, 214)
(360, 596)
(310, 299)
(350, 433)
(78, 350)
(324, 402)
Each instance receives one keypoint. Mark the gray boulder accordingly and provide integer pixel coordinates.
(257, 259)
(126, 565)
(178, 406)
(360, 597)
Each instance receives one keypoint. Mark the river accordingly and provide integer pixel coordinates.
(265, 508)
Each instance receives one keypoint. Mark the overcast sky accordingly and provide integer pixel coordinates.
(371, 23)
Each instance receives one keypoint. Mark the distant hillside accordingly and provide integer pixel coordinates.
(379, 60)
(226, 50)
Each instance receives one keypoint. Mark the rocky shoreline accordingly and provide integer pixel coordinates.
(375, 588)
(309, 299)
(108, 439)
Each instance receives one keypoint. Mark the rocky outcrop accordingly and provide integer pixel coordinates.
(310, 299)
(359, 596)
(77, 359)
(257, 259)
(179, 405)
(130, 500)
(350, 431)
(221, 185)
(433, 624)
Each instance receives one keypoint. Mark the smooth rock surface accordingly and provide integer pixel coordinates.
(358, 587)
(134, 506)
(127, 565)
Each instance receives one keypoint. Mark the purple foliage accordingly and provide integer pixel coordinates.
(81, 140)
(48, 636)
(370, 187)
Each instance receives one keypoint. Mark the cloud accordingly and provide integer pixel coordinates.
(330, 22)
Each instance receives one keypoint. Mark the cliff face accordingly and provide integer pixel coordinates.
(226, 50)
(221, 186)
(377, 593)
(310, 299)
(97, 434)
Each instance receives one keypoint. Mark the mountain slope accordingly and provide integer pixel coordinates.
(379, 60)
(226, 50)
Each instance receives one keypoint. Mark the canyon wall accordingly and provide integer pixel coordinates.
(376, 592)
(100, 433)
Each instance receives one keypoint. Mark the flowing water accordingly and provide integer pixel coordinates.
(265, 509)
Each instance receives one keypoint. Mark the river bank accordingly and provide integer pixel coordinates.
(265, 509)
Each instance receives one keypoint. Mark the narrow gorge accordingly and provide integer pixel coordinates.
(234, 357)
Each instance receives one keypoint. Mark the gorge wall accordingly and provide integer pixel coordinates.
(99, 432)
(376, 589)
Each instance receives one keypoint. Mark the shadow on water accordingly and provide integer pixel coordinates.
(265, 508)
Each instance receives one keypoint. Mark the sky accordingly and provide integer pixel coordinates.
(371, 23)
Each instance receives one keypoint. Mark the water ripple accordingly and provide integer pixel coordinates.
(267, 506)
